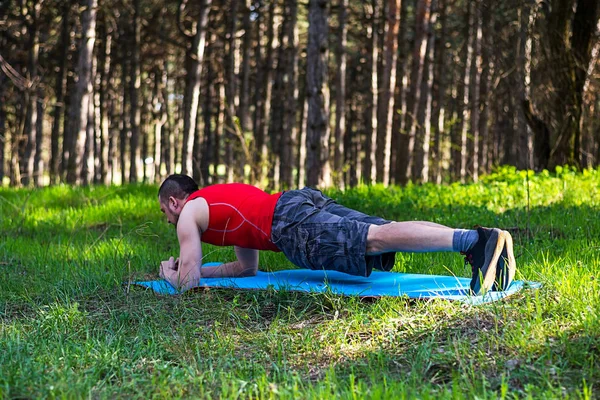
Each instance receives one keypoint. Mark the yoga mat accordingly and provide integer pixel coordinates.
(417, 286)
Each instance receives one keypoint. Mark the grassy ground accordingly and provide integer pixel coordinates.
(69, 329)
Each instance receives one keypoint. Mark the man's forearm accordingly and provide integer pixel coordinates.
(230, 269)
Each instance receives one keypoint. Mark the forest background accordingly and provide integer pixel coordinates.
(284, 93)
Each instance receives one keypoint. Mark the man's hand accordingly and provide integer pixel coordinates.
(169, 271)
(177, 275)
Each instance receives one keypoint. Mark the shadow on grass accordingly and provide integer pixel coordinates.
(475, 351)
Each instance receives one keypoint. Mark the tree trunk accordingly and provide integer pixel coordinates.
(210, 141)
(105, 87)
(416, 76)
(263, 91)
(60, 89)
(243, 109)
(232, 134)
(288, 137)
(317, 93)
(31, 117)
(219, 125)
(207, 156)
(388, 84)
(97, 178)
(459, 157)
(399, 136)
(511, 136)
(589, 140)
(160, 117)
(124, 129)
(484, 85)
(177, 142)
(199, 139)
(586, 25)
(302, 142)
(474, 88)
(78, 114)
(38, 162)
(201, 151)
(352, 139)
(348, 160)
(135, 84)
(275, 120)
(370, 165)
(113, 135)
(15, 172)
(439, 89)
(168, 154)
(350, 142)
(194, 56)
(66, 141)
(3, 132)
(87, 170)
(421, 165)
(455, 112)
(146, 141)
(340, 102)
(523, 132)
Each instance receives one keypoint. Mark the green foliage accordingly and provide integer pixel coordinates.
(69, 328)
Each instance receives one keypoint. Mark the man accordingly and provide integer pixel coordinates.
(313, 232)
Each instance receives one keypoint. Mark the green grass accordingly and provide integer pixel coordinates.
(69, 329)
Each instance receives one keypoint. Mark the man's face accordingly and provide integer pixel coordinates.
(171, 210)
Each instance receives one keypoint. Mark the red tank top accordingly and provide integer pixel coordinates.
(239, 215)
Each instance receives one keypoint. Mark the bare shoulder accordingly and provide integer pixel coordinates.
(195, 212)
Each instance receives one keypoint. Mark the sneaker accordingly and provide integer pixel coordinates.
(505, 276)
(486, 259)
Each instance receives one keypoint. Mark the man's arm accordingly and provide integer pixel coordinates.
(185, 272)
(246, 265)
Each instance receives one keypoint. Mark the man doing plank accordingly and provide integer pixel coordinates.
(314, 232)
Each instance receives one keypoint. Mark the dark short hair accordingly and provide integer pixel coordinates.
(177, 185)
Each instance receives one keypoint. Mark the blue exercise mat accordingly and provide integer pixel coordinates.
(379, 284)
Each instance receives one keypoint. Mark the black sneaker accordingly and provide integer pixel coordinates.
(486, 259)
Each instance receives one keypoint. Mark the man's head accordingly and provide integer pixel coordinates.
(173, 193)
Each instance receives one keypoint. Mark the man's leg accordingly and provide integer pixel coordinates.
(462, 240)
(419, 236)
(489, 251)
(409, 236)
(491, 255)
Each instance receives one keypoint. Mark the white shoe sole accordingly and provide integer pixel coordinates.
(488, 271)
(509, 261)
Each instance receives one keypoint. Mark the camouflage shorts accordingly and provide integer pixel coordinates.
(315, 232)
